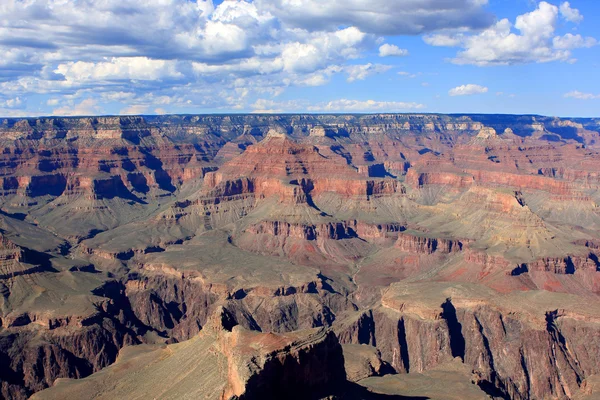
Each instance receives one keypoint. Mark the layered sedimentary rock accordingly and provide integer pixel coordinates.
(456, 249)
(425, 245)
(520, 345)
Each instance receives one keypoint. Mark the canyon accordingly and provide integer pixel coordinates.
(384, 256)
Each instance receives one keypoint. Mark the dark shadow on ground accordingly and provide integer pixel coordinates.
(353, 391)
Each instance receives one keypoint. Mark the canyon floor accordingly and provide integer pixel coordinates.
(391, 256)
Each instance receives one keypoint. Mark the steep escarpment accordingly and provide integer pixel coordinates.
(82, 335)
(219, 364)
(509, 341)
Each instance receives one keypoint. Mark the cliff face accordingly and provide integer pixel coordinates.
(218, 364)
(461, 247)
(424, 245)
(509, 345)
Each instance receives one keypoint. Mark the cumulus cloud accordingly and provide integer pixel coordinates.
(119, 68)
(387, 50)
(361, 72)
(91, 56)
(11, 103)
(469, 89)
(582, 96)
(157, 29)
(269, 106)
(85, 107)
(218, 55)
(570, 14)
(570, 41)
(535, 42)
(319, 50)
(135, 109)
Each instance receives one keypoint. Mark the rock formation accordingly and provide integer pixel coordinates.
(309, 255)
(218, 364)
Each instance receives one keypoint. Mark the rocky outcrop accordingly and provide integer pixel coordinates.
(163, 303)
(218, 364)
(305, 368)
(63, 349)
(567, 265)
(363, 361)
(424, 245)
(516, 350)
(279, 166)
(333, 231)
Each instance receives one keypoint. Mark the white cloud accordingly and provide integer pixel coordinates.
(322, 49)
(118, 96)
(570, 14)
(121, 51)
(444, 40)
(135, 109)
(361, 72)
(318, 79)
(61, 29)
(128, 68)
(345, 105)
(387, 50)
(499, 45)
(468, 89)
(582, 96)
(570, 41)
(266, 106)
(301, 57)
(11, 103)
(188, 56)
(85, 107)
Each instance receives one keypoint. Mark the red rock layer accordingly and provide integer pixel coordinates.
(426, 245)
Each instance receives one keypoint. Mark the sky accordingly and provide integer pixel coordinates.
(120, 57)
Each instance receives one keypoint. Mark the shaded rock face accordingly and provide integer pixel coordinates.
(176, 309)
(239, 365)
(363, 361)
(33, 362)
(509, 358)
(118, 231)
(567, 265)
(301, 372)
(179, 308)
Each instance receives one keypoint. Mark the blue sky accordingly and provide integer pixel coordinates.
(92, 57)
